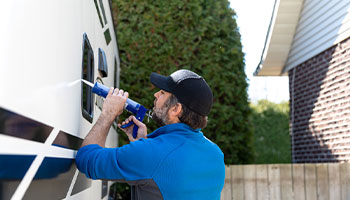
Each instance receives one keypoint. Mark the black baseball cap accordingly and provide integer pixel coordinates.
(188, 87)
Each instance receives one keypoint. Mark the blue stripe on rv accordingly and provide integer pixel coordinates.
(14, 167)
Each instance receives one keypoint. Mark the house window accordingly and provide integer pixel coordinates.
(87, 74)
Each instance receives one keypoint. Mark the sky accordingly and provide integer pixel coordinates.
(253, 18)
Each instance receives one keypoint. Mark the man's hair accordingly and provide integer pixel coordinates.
(187, 116)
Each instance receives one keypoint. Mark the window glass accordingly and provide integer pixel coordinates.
(98, 13)
(107, 36)
(87, 74)
(102, 63)
(115, 74)
(103, 11)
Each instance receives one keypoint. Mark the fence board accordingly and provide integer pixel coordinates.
(237, 182)
(249, 182)
(274, 182)
(322, 181)
(334, 181)
(344, 181)
(286, 182)
(298, 181)
(226, 191)
(261, 182)
(310, 182)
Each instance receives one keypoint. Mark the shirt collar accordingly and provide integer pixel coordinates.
(177, 127)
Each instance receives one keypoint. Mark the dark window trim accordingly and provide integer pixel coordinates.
(102, 63)
(103, 11)
(98, 13)
(115, 77)
(87, 114)
(107, 36)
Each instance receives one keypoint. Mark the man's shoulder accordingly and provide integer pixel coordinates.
(212, 145)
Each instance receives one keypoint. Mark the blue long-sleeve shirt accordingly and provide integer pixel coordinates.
(175, 162)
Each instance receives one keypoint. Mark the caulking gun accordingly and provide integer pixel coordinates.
(132, 106)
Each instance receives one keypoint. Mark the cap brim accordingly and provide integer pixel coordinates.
(160, 81)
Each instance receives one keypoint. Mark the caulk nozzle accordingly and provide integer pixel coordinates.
(88, 83)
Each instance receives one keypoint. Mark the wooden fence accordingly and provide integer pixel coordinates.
(287, 181)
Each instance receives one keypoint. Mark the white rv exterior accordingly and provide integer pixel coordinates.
(41, 94)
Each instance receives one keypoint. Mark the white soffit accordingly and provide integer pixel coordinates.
(280, 37)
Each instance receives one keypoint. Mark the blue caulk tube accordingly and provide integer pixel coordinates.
(132, 106)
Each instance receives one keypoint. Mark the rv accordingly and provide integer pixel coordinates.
(46, 49)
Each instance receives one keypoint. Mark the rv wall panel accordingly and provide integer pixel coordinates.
(41, 121)
(321, 25)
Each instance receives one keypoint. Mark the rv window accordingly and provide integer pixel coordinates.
(87, 74)
(98, 13)
(103, 11)
(102, 63)
(115, 74)
(107, 36)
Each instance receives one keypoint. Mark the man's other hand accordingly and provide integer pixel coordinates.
(141, 132)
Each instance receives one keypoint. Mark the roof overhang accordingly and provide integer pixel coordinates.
(279, 38)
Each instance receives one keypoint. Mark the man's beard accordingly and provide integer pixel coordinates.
(160, 115)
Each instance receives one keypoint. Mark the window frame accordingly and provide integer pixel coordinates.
(88, 112)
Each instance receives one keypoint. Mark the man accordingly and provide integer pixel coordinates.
(175, 161)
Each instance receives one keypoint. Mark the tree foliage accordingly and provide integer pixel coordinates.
(200, 35)
(271, 125)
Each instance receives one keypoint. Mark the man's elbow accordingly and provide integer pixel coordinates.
(84, 161)
(79, 162)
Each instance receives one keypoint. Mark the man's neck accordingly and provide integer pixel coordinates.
(173, 121)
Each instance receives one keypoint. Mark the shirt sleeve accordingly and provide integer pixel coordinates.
(135, 161)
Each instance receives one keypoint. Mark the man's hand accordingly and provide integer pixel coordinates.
(112, 107)
(114, 103)
(141, 132)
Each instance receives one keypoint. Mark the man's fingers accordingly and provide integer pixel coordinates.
(126, 94)
(137, 122)
(127, 120)
(119, 125)
(110, 91)
(116, 91)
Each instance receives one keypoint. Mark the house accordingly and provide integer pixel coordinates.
(309, 41)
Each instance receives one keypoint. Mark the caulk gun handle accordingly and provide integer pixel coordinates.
(134, 130)
(141, 112)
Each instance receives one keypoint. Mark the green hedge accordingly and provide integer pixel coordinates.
(272, 140)
(200, 35)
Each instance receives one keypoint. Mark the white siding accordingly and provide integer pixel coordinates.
(322, 24)
(279, 41)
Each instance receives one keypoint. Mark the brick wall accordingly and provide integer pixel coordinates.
(320, 106)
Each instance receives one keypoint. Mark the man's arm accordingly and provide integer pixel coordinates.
(112, 107)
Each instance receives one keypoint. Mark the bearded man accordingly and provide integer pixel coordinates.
(176, 161)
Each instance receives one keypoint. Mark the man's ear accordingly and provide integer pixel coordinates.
(176, 110)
